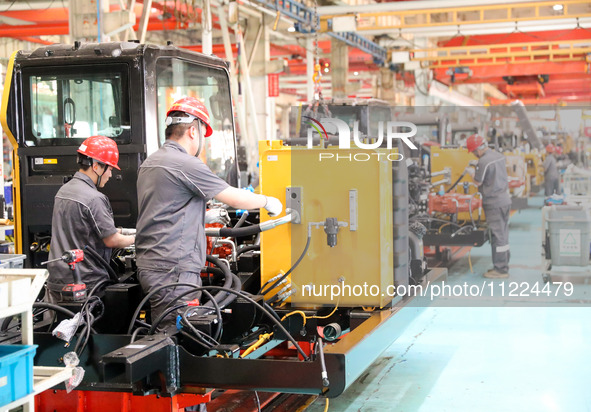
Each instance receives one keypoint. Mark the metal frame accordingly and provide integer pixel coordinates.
(494, 54)
(462, 16)
(306, 16)
(476, 238)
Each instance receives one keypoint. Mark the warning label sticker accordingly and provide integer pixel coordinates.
(570, 242)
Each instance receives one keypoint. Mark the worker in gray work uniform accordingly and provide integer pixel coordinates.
(551, 178)
(490, 174)
(82, 216)
(173, 187)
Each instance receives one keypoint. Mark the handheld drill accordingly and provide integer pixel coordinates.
(73, 291)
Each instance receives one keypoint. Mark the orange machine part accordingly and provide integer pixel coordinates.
(221, 251)
(89, 401)
(513, 183)
(453, 203)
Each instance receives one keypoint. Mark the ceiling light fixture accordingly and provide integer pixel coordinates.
(355, 73)
(291, 29)
(557, 7)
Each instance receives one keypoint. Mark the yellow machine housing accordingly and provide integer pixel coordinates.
(535, 170)
(354, 191)
(455, 159)
(517, 171)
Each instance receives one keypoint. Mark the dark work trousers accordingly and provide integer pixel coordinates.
(498, 224)
(150, 280)
(551, 186)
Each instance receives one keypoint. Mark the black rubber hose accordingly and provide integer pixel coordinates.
(5, 323)
(40, 305)
(97, 286)
(223, 267)
(200, 288)
(237, 286)
(148, 296)
(456, 182)
(240, 232)
(217, 262)
(231, 281)
(106, 264)
(241, 220)
(291, 269)
(56, 308)
(167, 310)
(217, 273)
(266, 312)
(136, 332)
(247, 249)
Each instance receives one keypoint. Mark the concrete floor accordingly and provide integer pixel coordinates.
(487, 354)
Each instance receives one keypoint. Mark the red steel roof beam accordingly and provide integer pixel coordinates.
(517, 37)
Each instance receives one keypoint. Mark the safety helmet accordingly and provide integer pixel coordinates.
(193, 107)
(474, 142)
(550, 148)
(558, 150)
(101, 148)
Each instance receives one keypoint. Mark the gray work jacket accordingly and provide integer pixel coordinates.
(81, 216)
(491, 177)
(173, 189)
(550, 168)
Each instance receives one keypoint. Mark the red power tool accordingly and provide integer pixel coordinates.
(73, 291)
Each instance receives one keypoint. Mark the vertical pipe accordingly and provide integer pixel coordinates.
(143, 27)
(309, 69)
(233, 81)
(206, 33)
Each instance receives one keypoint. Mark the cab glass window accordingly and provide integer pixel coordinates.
(177, 78)
(70, 104)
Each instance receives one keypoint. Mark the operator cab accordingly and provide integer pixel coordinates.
(60, 95)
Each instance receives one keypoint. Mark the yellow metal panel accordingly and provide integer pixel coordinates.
(456, 159)
(535, 170)
(361, 257)
(517, 168)
(16, 189)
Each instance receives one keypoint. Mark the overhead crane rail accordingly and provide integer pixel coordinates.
(305, 17)
(484, 55)
(462, 16)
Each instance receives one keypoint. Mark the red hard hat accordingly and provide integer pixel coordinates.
(474, 142)
(550, 148)
(193, 107)
(101, 148)
(558, 150)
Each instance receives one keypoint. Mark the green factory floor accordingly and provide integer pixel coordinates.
(512, 353)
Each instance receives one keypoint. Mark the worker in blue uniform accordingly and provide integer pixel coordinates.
(174, 186)
(490, 174)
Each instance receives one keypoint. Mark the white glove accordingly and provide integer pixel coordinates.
(470, 170)
(217, 215)
(273, 206)
(127, 232)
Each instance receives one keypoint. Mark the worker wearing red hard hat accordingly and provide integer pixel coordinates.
(82, 216)
(551, 176)
(174, 186)
(490, 174)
